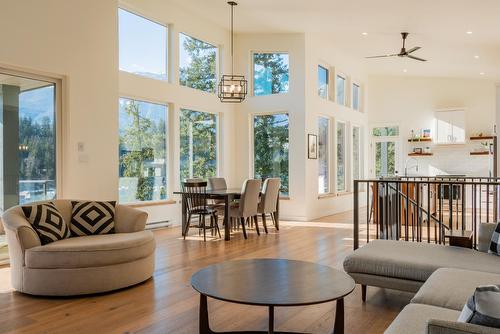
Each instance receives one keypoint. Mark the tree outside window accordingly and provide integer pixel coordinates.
(197, 64)
(270, 73)
(323, 160)
(142, 152)
(271, 148)
(341, 156)
(198, 144)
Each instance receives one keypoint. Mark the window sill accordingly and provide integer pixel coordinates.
(284, 198)
(344, 193)
(150, 203)
(326, 195)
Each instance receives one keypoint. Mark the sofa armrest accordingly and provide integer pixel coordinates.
(435, 326)
(20, 235)
(128, 219)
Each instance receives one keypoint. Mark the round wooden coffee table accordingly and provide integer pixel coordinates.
(270, 283)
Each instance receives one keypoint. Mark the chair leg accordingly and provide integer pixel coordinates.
(217, 224)
(204, 230)
(363, 292)
(242, 220)
(273, 216)
(187, 226)
(264, 222)
(256, 221)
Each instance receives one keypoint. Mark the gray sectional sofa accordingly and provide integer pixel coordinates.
(443, 277)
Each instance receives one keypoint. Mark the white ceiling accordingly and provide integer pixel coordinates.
(438, 26)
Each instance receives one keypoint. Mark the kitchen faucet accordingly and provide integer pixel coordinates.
(415, 166)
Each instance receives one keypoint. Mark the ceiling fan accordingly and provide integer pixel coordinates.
(403, 52)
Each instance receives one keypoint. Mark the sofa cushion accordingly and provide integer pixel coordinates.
(483, 307)
(92, 251)
(450, 288)
(47, 222)
(414, 317)
(91, 218)
(484, 234)
(416, 260)
(495, 241)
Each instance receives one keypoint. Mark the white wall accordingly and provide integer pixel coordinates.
(75, 41)
(411, 102)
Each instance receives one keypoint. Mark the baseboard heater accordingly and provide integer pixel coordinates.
(159, 224)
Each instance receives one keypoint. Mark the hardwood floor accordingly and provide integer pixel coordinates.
(168, 304)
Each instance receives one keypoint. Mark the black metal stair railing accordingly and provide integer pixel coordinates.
(423, 209)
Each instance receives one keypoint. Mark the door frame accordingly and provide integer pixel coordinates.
(380, 139)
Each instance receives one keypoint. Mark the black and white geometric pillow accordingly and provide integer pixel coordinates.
(483, 308)
(91, 218)
(47, 222)
(495, 241)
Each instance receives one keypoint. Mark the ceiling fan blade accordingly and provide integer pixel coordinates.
(384, 56)
(413, 49)
(416, 58)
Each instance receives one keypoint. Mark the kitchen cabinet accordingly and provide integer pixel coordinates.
(450, 126)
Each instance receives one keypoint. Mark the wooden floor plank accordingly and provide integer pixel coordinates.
(168, 304)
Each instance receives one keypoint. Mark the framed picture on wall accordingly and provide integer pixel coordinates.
(312, 146)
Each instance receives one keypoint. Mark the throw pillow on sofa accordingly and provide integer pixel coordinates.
(92, 218)
(495, 241)
(47, 221)
(483, 307)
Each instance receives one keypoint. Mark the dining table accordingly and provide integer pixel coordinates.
(227, 195)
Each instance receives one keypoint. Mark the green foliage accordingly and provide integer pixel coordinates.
(270, 73)
(140, 142)
(200, 73)
(37, 163)
(198, 144)
(271, 148)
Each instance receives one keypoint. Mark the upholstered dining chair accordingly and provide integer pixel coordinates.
(217, 183)
(269, 200)
(196, 199)
(246, 208)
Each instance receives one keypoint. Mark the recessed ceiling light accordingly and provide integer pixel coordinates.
(364, 33)
(476, 56)
(405, 70)
(481, 73)
(469, 32)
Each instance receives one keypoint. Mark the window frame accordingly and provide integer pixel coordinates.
(252, 71)
(218, 138)
(345, 77)
(217, 61)
(331, 144)
(168, 44)
(328, 69)
(357, 84)
(251, 137)
(346, 141)
(397, 139)
(360, 151)
(168, 134)
(60, 118)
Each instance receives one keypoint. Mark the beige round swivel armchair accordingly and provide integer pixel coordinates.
(79, 265)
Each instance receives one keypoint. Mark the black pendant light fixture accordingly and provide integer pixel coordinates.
(232, 88)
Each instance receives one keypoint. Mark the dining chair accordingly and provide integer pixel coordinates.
(196, 198)
(246, 208)
(269, 200)
(217, 183)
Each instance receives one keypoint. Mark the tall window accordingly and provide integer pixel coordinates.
(271, 148)
(322, 82)
(143, 151)
(385, 142)
(323, 156)
(355, 96)
(340, 86)
(356, 152)
(142, 46)
(341, 185)
(197, 64)
(270, 73)
(198, 144)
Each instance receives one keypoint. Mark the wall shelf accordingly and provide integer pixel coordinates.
(420, 154)
(480, 153)
(417, 140)
(482, 137)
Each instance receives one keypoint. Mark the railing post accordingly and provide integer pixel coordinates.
(356, 214)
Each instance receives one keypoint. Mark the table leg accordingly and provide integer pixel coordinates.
(227, 227)
(338, 327)
(271, 319)
(184, 216)
(204, 324)
(277, 213)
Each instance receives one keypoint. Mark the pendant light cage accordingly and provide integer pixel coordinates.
(232, 88)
